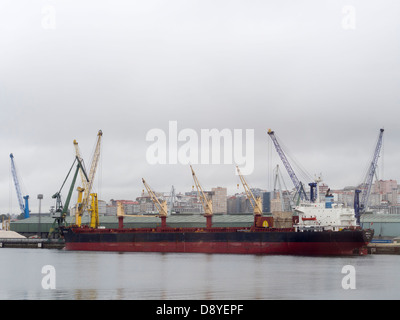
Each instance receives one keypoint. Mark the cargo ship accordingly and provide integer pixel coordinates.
(250, 240)
(316, 228)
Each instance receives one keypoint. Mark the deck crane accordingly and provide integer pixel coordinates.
(361, 206)
(23, 205)
(206, 203)
(161, 206)
(254, 201)
(82, 206)
(296, 182)
(62, 209)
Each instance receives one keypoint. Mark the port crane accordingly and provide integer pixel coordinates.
(255, 202)
(361, 206)
(206, 203)
(83, 201)
(23, 205)
(296, 182)
(61, 210)
(161, 206)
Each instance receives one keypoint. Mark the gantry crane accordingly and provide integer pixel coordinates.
(206, 203)
(61, 210)
(24, 206)
(255, 202)
(361, 206)
(296, 182)
(82, 203)
(162, 207)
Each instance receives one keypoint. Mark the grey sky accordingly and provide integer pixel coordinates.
(126, 67)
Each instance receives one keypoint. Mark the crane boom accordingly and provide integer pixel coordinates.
(82, 207)
(370, 176)
(161, 206)
(78, 154)
(256, 203)
(206, 203)
(24, 207)
(296, 182)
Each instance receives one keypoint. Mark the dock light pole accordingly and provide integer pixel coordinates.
(40, 197)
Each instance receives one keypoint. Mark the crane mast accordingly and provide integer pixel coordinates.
(23, 206)
(255, 202)
(87, 186)
(362, 206)
(297, 184)
(206, 203)
(161, 206)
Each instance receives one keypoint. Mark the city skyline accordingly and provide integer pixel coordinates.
(385, 195)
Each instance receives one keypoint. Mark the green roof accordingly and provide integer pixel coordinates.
(195, 220)
(376, 218)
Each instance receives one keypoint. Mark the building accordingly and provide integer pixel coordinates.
(239, 204)
(219, 200)
(384, 186)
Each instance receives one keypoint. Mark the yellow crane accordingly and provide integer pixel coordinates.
(255, 202)
(206, 203)
(162, 207)
(84, 182)
(82, 203)
(94, 211)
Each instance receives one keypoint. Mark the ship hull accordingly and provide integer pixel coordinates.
(234, 241)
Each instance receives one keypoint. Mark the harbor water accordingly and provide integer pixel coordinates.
(60, 274)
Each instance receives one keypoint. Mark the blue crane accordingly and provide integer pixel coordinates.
(361, 206)
(297, 184)
(23, 206)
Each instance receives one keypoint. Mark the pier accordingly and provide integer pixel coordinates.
(32, 243)
(383, 248)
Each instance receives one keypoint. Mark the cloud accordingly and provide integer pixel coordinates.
(128, 67)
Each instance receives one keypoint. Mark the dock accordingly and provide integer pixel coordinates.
(32, 243)
(383, 248)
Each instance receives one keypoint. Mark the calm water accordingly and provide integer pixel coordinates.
(96, 275)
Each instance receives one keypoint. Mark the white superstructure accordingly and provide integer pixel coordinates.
(325, 215)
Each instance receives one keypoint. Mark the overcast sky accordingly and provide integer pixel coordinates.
(324, 75)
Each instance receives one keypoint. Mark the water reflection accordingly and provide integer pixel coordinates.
(97, 275)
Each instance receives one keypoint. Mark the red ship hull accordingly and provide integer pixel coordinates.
(223, 240)
(294, 248)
